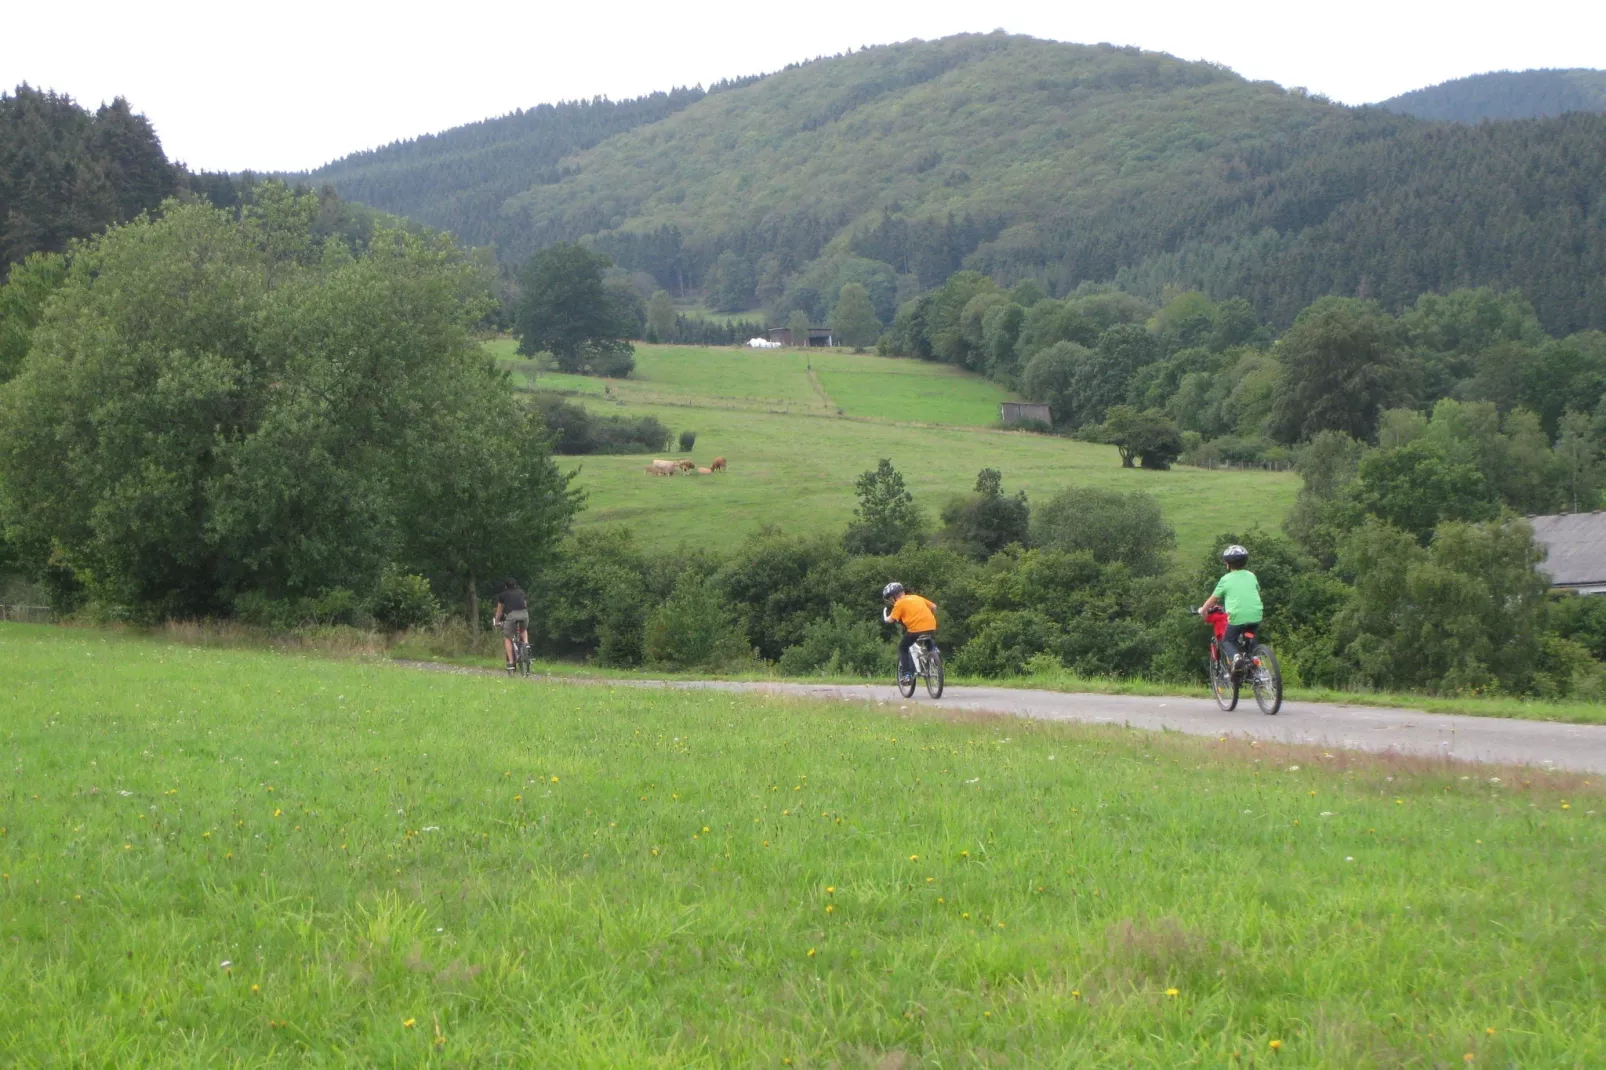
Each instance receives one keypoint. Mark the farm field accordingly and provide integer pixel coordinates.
(794, 460)
(242, 858)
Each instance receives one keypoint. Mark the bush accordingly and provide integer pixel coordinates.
(576, 431)
(693, 628)
(334, 606)
(404, 601)
(843, 643)
(688, 439)
(1110, 525)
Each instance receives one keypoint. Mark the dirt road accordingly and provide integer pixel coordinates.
(1580, 748)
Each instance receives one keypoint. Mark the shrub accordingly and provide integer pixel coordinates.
(693, 628)
(404, 601)
(576, 431)
(844, 642)
(1110, 525)
(688, 439)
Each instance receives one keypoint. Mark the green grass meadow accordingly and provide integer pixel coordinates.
(773, 414)
(247, 859)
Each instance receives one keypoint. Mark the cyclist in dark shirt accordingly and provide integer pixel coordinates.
(513, 615)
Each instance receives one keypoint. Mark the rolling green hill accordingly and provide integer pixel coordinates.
(1065, 163)
(1506, 95)
(798, 427)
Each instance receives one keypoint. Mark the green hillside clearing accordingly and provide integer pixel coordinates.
(245, 859)
(793, 460)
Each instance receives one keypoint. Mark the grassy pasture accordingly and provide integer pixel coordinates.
(798, 472)
(774, 415)
(407, 868)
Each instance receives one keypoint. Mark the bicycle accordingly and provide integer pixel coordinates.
(1260, 669)
(521, 651)
(928, 666)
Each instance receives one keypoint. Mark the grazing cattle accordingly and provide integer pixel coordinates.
(661, 468)
(718, 465)
(685, 466)
(704, 471)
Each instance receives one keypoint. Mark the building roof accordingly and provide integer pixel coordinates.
(1577, 547)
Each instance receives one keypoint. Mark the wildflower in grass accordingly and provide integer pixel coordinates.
(1565, 805)
(518, 798)
(965, 916)
(1172, 992)
(705, 828)
(811, 952)
(554, 780)
(226, 965)
(964, 854)
(256, 988)
(830, 889)
(655, 852)
(228, 854)
(1076, 993)
(409, 1023)
(830, 908)
(914, 858)
(1275, 1045)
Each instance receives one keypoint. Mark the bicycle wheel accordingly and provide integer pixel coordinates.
(1222, 685)
(1267, 680)
(906, 690)
(524, 658)
(934, 673)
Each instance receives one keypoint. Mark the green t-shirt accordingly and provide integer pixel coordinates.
(1239, 591)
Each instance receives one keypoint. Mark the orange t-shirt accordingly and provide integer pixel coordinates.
(914, 613)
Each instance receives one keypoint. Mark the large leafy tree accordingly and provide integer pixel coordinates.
(886, 519)
(210, 407)
(564, 309)
(1341, 367)
(853, 320)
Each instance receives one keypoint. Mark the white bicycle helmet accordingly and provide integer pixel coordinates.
(1235, 555)
(892, 590)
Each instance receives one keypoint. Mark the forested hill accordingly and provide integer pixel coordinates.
(1506, 95)
(458, 180)
(1066, 163)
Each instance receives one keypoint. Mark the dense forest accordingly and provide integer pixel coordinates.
(1021, 158)
(1539, 94)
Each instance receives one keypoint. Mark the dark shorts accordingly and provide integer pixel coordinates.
(1236, 631)
(511, 621)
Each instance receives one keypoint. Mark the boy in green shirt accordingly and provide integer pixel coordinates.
(1239, 592)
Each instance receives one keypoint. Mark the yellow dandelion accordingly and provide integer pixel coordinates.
(811, 952)
(1076, 993)
(1566, 806)
(228, 854)
(1172, 993)
(554, 780)
(206, 835)
(941, 900)
(830, 908)
(705, 828)
(256, 988)
(1275, 1045)
(1490, 1031)
(655, 852)
(914, 858)
(518, 798)
(128, 847)
(409, 1023)
(440, 1040)
(964, 854)
(965, 916)
(1468, 1057)
(830, 889)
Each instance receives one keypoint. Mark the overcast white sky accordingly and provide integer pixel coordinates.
(292, 85)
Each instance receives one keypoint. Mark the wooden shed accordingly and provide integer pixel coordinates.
(818, 336)
(1016, 412)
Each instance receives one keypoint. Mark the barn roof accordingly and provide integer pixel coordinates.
(1577, 547)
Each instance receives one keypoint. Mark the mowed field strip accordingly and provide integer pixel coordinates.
(793, 460)
(242, 858)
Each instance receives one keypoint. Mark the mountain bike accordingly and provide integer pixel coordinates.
(928, 667)
(1259, 669)
(521, 651)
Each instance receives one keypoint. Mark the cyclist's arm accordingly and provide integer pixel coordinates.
(1210, 603)
(496, 617)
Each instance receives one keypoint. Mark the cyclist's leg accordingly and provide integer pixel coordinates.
(906, 661)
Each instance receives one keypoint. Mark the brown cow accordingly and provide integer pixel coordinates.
(704, 471)
(685, 465)
(718, 465)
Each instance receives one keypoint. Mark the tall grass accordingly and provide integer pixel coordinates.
(221, 857)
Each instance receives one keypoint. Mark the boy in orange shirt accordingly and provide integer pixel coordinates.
(918, 617)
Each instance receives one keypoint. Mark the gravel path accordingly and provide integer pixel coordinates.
(1580, 748)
